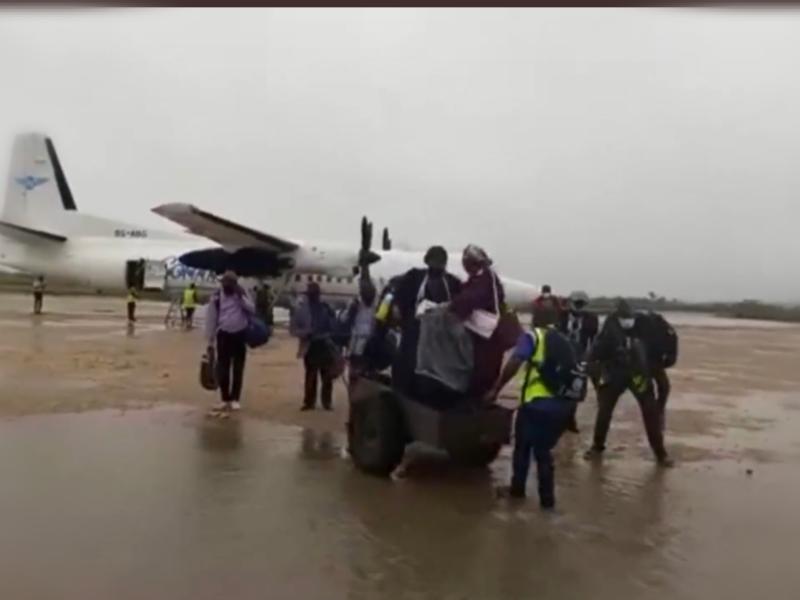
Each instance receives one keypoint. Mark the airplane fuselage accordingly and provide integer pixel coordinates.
(99, 263)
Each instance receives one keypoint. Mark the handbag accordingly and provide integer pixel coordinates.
(483, 322)
(208, 371)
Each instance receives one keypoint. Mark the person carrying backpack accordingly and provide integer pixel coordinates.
(662, 354)
(228, 316)
(627, 355)
(551, 388)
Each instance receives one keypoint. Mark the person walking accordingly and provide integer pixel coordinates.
(544, 410)
(313, 323)
(188, 305)
(580, 326)
(133, 296)
(38, 294)
(227, 318)
(620, 360)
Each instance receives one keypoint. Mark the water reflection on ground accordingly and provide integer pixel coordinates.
(169, 504)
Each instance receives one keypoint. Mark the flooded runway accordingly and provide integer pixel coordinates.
(146, 498)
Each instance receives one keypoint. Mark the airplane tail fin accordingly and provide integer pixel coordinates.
(37, 190)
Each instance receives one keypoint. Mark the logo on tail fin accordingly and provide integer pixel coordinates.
(30, 182)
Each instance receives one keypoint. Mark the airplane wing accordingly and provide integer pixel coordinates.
(224, 232)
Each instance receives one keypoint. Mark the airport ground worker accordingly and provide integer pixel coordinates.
(264, 304)
(38, 294)
(133, 296)
(543, 415)
(227, 318)
(313, 322)
(619, 361)
(188, 305)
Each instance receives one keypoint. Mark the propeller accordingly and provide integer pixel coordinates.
(387, 241)
(366, 256)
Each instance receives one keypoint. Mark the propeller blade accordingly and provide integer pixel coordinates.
(387, 241)
(366, 234)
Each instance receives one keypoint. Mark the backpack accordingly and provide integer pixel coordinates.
(660, 338)
(257, 333)
(561, 372)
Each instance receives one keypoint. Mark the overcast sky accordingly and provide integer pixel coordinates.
(618, 151)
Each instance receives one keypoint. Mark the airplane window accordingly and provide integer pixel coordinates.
(298, 277)
(338, 280)
(329, 279)
(309, 278)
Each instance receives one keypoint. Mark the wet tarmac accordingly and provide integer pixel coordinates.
(147, 498)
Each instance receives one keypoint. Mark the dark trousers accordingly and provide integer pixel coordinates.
(538, 427)
(652, 414)
(663, 388)
(317, 361)
(38, 299)
(131, 311)
(231, 352)
(188, 315)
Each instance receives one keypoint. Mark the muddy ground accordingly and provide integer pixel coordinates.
(162, 503)
(733, 379)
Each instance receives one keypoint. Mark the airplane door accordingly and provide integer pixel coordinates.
(134, 274)
(155, 275)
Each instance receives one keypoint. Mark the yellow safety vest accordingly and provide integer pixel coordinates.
(189, 298)
(131, 296)
(533, 388)
(384, 308)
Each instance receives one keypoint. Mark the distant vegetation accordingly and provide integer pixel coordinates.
(745, 309)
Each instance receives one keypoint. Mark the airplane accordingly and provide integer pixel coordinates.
(42, 233)
(335, 267)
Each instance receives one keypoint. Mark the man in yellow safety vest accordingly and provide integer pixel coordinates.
(133, 296)
(545, 409)
(188, 305)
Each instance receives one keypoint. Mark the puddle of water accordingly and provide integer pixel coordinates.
(167, 504)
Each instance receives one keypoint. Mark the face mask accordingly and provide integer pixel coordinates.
(546, 295)
(626, 323)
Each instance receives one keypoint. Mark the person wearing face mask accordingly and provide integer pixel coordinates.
(414, 293)
(620, 356)
(227, 317)
(580, 327)
(547, 306)
(579, 324)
